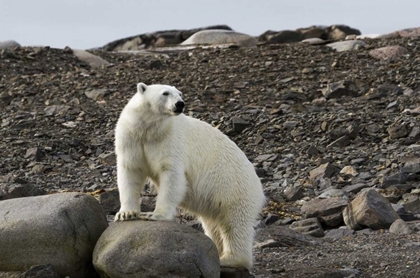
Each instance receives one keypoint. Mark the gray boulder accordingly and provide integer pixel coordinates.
(216, 37)
(59, 229)
(93, 60)
(369, 209)
(9, 44)
(347, 45)
(155, 249)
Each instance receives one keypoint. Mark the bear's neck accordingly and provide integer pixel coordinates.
(150, 127)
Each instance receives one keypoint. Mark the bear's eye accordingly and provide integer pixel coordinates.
(165, 94)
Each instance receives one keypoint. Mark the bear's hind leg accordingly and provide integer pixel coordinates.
(213, 231)
(237, 244)
(130, 185)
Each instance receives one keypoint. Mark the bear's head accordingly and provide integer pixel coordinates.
(161, 99)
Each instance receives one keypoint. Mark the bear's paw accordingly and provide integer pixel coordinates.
(126, 215)
(154, 216)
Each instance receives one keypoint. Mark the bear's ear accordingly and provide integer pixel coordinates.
(141, 88)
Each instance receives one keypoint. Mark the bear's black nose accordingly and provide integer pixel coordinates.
(179, 106)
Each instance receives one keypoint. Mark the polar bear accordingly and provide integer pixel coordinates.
(192, 165)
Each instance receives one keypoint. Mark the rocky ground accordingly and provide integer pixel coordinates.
(290, 107)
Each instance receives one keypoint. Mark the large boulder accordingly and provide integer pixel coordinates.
(217, 37)
(9, 44)
(155, 249)
(59, 229)
(157, 39)
(369, 209)
(93, 60)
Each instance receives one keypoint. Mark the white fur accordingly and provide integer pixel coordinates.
(192, 165)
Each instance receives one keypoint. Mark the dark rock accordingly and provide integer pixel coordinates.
(398, 178)
(34, 154)
(340, 89)
(239, 124)
(397, 131)
(271, 218)
(19, 190)
(293, 193)
(230, 272)
(110, 201)
(323, 171)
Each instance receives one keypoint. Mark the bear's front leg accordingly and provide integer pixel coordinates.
(130, 185)
(172, 189)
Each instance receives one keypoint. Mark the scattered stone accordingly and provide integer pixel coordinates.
(53, 110)
(391, 53)
(108, 159)
(34, 154)
(410, 202)
(355, 188)
(97, 94)
(340, 89)
(63, 233)
(397, 178)
(271, 218)
(217, 37)
(239, 124)
(369, 209)
(334, 193)
(323, 171)
(400, 227)
(309, 226)
(293, 193)
(328, 211)
(312, 151)
(92, 60)
(397, 131)
(157, 248)
(413, 167)
(349, 171)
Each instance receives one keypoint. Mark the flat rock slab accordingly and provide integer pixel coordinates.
(155, 249)
(59, 229)
(328, 211)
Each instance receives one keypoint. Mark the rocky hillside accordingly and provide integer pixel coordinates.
(310, 118)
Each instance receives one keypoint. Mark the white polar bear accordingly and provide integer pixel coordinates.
(192, 165)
